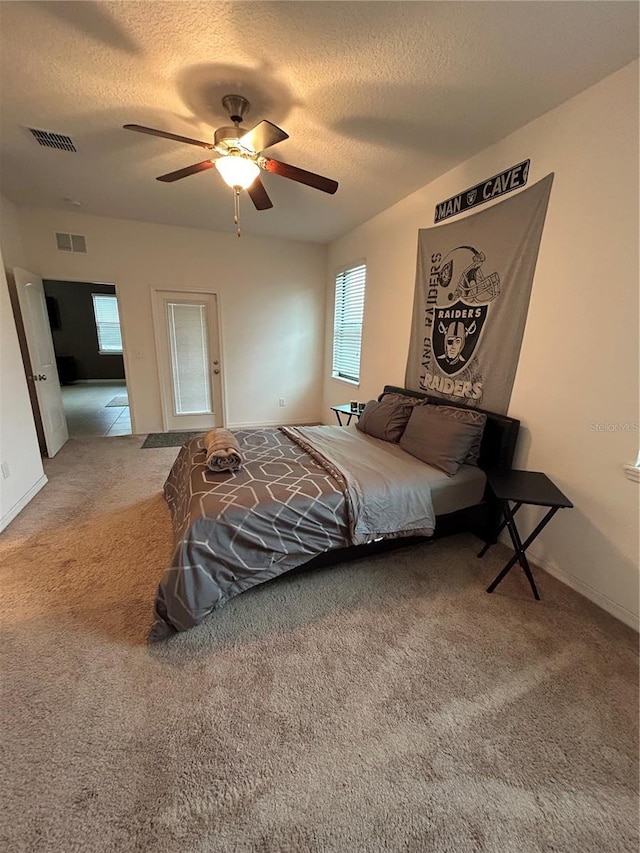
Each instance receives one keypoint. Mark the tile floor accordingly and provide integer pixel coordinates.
(88, 416)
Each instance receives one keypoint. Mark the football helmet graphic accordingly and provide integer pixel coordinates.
(461, 276)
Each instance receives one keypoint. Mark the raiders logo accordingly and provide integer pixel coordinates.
(455, 334)
(471, 197)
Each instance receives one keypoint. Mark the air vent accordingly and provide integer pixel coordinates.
(71, 243)
(53, 140)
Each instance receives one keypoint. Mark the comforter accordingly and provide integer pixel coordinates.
(301, 492)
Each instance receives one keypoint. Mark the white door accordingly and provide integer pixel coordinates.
(187, 341)
(44, 375)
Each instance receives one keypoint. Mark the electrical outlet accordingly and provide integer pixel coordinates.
(5, 469)
(281, 401)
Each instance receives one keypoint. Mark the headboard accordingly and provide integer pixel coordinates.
(500, 433)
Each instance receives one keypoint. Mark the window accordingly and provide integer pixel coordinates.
(105, 310)
(347, 323)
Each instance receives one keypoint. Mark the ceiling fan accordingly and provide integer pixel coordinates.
(240, 156)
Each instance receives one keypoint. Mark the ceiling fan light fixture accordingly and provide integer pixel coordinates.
(237, 171)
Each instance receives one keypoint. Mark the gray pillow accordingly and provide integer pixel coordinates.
(467, 416)
(385, 419)
(438, 439)
(404, 399)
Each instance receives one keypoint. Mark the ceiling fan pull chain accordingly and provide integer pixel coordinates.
(236, 209)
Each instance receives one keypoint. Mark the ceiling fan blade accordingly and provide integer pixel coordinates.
(258, 195)
(263, 135)
(188, 170)
(299, 175)
(163, 133)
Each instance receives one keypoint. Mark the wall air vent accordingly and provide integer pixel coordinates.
(71, 243)
(53, 140)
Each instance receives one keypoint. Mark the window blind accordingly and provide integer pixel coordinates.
(105, 310)
(188, 340)
(347, 325)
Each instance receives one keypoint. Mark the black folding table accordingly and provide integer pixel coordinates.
(522, 487)
(348, 411)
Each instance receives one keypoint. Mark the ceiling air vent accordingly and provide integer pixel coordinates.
(71, 243)
(53, 140)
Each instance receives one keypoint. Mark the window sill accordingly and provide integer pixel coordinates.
(346, 381)
(632, 472)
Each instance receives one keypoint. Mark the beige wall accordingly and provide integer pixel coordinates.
(18, 442)
(271, 296)
(579, 360)
(10, 235)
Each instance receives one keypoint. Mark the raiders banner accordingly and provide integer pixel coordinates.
(473, 283)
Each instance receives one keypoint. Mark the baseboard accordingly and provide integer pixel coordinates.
(622, 613)
(262, 424)
(8, 517)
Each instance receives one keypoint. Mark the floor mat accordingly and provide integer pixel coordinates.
(168, 439)
(121, 400)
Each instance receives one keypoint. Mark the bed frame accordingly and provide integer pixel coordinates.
(496, 453)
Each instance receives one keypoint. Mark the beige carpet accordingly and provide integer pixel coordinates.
(386, 704)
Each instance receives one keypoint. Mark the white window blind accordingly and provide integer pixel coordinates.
(188, 339)
(347, 324)
(105, 310)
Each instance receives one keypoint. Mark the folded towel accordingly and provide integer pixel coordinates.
(223, 450)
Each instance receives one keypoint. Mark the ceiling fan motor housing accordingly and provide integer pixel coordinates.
(236, 106)
(226, 139)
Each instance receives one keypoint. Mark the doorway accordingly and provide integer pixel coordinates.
(85, 328)
(188, 348)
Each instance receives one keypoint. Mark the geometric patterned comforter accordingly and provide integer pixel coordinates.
(301, 492)
(235, 530)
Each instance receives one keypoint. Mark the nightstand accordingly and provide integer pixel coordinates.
(522, 487)
(345, 410)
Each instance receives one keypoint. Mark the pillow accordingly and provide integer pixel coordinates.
(385, 419)
(403, 398)
(467, 416)
(438, 439)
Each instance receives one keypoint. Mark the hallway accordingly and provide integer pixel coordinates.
(96, 409)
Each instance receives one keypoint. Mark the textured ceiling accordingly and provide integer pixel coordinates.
(382, 97)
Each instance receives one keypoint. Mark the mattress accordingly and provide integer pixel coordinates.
(448, 494)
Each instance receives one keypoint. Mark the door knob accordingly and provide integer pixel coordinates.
(216, 370)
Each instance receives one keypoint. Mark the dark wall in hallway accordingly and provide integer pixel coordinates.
(74, 331)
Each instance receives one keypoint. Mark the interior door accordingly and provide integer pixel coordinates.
(44, 373)
(187, 340)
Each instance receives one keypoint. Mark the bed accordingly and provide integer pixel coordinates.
(308, 496)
